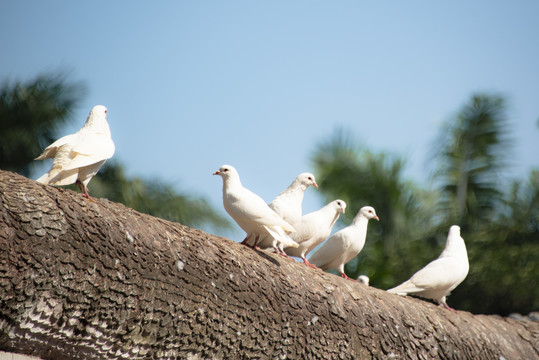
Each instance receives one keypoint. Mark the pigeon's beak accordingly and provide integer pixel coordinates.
(315, 184)
(217, 172)
(342, 210)
(376, 217)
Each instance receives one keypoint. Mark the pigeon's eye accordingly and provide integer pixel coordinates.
(225, 170)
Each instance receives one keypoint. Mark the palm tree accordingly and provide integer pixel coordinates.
(500, 227)
(155, 198)
(31, 113)
(472, 151)
(360, 178)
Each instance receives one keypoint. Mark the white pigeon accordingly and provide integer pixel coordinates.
(250, 211)
(288, 205)
(439, 277)
(345, 244)
(364, 279)
(78, 157)
(313, 228)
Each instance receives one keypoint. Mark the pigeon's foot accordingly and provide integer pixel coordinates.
(445, 306)
(245, 242)
(309, 264)
(84, 190)
(283, 254)
(343, 275)
(87, 196)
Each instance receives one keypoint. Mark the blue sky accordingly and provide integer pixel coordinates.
(192, 85)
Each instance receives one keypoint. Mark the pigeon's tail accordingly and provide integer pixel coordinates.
(405, 288)
(44, 179)
(267, 241)
(288, 228)
(278, 233)
(55, 177)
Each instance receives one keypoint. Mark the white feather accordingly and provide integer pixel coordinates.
(249, 210)
(288, 205)
(442, 275)
(345, 244)
(79, 156)
(314, 228)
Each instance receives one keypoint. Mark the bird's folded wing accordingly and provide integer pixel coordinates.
(330, 250)
(256, 209)
(439, 273)
(90, 150)
(278, 233)
(50, 151)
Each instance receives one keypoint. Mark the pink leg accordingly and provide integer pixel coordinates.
(246, 243)
(343, 275)
(445, 306)
(309, 264)
(282, 253)
(256, 243)
(84, 190)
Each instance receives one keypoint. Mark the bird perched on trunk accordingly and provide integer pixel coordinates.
(78, 157)
(364, 279)
(313, 228)
(345, 244)
(288, 205)
(250, 211)
(441, 276)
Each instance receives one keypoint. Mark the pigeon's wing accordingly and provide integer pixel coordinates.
(265, 241)
(91, 149)
(305, 230)
(278, 233)
(331, 251)
(50, 151)
(436, 274)
(255, 209)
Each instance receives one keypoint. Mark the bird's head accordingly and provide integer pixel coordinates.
(226, 171)
(369, 212)
(97, 120)
(454, 230)
(364, 279)
(98, 112)
(307, 179)
(340, 205)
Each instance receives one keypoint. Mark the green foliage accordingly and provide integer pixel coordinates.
(473, 150)
(30, 115)
(499, 225)
(362, 178)
(155, 198)
(503, 253)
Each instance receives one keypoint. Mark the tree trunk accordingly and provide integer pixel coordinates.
(82, 279)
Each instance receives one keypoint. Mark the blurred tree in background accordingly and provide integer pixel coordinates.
(31, 115)
(360, 177)
(155, 198)
(500, 225)
(472, 152)
(499, 218)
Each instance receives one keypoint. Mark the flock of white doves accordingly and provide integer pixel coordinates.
(278, 225)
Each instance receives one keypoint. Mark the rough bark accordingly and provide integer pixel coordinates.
(96, 280)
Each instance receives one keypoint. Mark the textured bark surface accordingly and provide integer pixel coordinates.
(94, 279)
